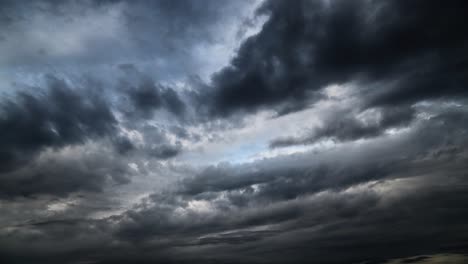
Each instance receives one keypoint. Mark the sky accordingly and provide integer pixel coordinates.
(233, 131)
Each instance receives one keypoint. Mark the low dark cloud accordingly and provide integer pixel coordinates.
(54, 118)
(123, 145)
(165, 151)
(351, 221)
(311, 227)
(148, 97)
(45, 133)
(61, 174)
(310, 44)
(455, 258)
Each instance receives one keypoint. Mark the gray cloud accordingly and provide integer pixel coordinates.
(148, 97)
(334, 133)
(161, 36)
(307, 45)
(61, 173)
(58, 117)
(290, 177)
(351, 221)
(347, 127)
(303, 203)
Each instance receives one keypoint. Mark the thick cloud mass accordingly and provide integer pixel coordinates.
(309, 131)
(147, 97)
(307, 45)
(58, 117)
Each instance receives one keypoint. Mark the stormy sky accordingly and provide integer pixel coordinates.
(226, 131)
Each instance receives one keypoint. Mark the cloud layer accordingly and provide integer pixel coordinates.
(233, 131)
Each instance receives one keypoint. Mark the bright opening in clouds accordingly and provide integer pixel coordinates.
(233, 131)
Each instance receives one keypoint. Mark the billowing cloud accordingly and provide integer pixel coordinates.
(60, 116)
(310, 44)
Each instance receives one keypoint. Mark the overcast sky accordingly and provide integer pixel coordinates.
(233, 131)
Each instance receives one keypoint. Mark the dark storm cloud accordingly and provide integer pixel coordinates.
(61, 175)
(123, 145)
(67, 153)
(142, 96)
(165, 151)
(54, 118)
(455, 258)
(307, 45)
(347, 127)
(373, 224)
(351, 223)
(148, 97)
(310, 228)
(42, 132)
(60, 116)
(45, 243)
